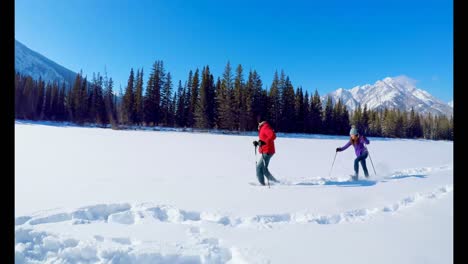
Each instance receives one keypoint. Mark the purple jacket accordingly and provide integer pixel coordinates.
(359, 148)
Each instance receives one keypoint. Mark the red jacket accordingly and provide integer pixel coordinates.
(267, 135)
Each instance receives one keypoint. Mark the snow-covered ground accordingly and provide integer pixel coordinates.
(93, 195)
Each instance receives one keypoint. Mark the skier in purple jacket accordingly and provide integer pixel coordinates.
(358, 142)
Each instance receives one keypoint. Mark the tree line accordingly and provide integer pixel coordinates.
(229, 102)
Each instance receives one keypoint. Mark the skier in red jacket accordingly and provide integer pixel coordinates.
(266, 149)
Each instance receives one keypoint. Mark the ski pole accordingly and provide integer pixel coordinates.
(255, 157)
(332, 165)
(372, 163)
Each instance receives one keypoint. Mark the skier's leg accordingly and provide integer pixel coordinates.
(267, 172)
(363, 164)
(356, 168)
(260, 167)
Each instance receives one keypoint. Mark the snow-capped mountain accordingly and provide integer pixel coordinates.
(29, 62)
(392, 92)
(450, 103)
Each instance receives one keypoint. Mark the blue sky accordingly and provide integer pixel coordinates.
(321, 45)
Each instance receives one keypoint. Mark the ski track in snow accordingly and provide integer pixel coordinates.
(372, 180)
(35, 246)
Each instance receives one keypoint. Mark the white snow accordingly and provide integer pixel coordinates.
(94, 195)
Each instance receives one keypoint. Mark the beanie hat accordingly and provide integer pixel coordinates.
(261, 124)
(353, 131)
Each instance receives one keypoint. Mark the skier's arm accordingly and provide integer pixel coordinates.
(363, 138)
(268, 136)
(345, 146)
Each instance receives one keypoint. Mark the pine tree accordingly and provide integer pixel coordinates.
(119, 105)
(152, 99)
(413, 128)
(74, 99)
(180, 108)
(265, 100)
(389, 123)
(91, 105)
(99, 105)
(194, 87)
(444, 128)
(259, 104)
(374, 124)
(287, 107)
(345, 120)
(274, 100)
(249, 102)
(189, 117)
(109, 102)
(306, 105)
(138, 104)
(336, 118)
(328, 123)
(217, 89)
(39, 100)
(364, 126)
(62, 114)
(211, 90)
(172, 110)
(202, 115)
(357, 118)
(83, 102)
(400, 124)
(430, 127)
(18, 94)
(129, 100)
(410, 124)
(299, 111)
(223, 99)
(238, 106)
(54, 103)
(27, 95)
(150, 108)
(340, 118)
(316, 114)
(166, 95)
(283, 116)
(45, 111)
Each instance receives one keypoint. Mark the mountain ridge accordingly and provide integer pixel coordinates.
(36, 65)
(398, 92)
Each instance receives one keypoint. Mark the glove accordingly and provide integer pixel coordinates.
(255, 143)
(261, 143)
(338, 149)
